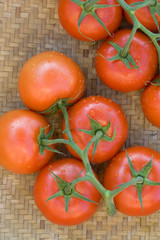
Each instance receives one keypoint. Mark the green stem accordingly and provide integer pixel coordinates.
(82, 179)
(133, 181)
(125, 50)
(67, 129)
(65, 114)
(47, 142)
(107, 195)
(136, 24)
(143, 4)
(89, 5)
(85, 152)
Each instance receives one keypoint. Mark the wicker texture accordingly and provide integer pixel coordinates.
(28, 27)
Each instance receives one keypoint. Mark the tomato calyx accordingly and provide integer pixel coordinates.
(90, 7)
(67, 190)
(142, 175)
(96, 128)
(42, 137)
(139, 180)
(154, 8)
(136, 23)
(55, 107)
(126, 58)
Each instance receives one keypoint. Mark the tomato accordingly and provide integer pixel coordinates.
(150, 103)
(144, 16)
(48, 77)
(69, 13)
(19, 149)
(100, 109)
(118, 172)
(115, 74)
(54, 210)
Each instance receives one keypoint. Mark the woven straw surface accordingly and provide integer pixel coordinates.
(28, 27)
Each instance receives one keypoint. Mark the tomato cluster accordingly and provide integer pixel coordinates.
(95, 128)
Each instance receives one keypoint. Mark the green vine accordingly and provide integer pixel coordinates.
(137, 25)
(90, 7)
(139, 179)
(68, 189)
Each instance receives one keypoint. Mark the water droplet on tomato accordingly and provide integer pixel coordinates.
(125, 74)
(92, 113)
(80, 123)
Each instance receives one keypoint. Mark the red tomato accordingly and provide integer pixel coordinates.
(100, 109)
(70, 12)
(150, 100)
(48, 77)
(115, 74)
(19, 149)
(54, 210)
(144, 16)
(118, 172)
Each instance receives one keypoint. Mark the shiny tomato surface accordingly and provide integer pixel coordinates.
(54, 210)
(19, 149)
(118, 172)
(150, 102)
(69, 13)
(100, 109)
(115, 74)
(48, 77)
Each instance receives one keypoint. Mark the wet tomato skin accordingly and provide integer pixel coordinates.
(118, 172)
(54, 210)
(150, 100)
(19, 149)
(70, 12)
(48, 77)
(100, 109)
(115, 74)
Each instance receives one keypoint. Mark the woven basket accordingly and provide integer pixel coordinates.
(28, 27)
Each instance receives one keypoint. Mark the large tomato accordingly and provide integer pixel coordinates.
(150, 100)
(144, 16)
(19, 149)
(48, 77)
(118, 172)
(100, 109)
(115, 74)
(54, 210)
(69, 13)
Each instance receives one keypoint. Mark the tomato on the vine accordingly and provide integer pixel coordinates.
(48, 77)
(54, 210)
(102, 110)
(118, 172)
(144, 16)
(115, 74)
(90, 29)
(150, 103)
(19, 149)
